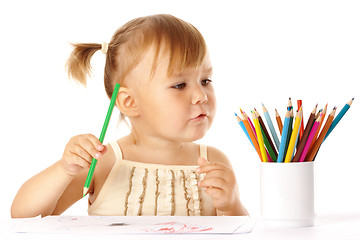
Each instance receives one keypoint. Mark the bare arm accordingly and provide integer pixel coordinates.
(56, 188)
(40, 194)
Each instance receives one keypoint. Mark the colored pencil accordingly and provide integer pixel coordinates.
(303, 140)
(241, 123)
(294, 137)
(251, 134)
(267, 139)
(290, 128)
(299, 104)
(310, 138)
(260, 137)
(315, 147)
(318, 130)
(279, 122)
(250, 122)
(101, 138)
(284, 137)
(271, 127)
(269, 152)
(338, 117)
(269, 157)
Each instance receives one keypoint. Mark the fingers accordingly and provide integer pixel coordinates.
(215, 192)
(80, 151)
(218, 179)
(206, 166)
(213, 182)
(87, 147)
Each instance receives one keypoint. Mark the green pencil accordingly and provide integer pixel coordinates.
(102, 136)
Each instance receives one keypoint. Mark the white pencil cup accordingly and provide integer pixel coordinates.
(287, 194)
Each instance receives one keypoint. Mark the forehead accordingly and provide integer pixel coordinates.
(205, 68)
(159, 64)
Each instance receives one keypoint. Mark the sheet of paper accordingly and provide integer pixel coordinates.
(130, 224)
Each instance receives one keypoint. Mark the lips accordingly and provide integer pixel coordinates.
(200, 117)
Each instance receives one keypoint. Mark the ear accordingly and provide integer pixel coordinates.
(126, 103)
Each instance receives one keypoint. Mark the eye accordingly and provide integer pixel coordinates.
(179, 86)
(206, 82)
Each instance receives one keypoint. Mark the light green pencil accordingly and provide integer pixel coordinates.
(101, 138)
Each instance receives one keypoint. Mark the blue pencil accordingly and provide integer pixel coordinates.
(338, 117)
(271, 126)
(243, 128)
(284, 138)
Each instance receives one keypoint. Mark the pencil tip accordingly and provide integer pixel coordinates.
(352, 99)
(235, 114)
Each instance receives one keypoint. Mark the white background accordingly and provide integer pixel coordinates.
(262, 52)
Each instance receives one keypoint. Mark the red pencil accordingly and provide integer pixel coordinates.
(299, 104)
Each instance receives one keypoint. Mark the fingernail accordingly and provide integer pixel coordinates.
(198, 170)
(100, 147)
(97, 155)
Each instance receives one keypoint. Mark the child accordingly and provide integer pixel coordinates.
(164, 69)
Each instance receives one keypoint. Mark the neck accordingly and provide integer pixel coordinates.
(155, 144)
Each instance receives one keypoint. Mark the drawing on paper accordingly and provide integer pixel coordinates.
(177, 227)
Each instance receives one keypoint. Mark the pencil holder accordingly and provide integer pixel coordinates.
(287, 194)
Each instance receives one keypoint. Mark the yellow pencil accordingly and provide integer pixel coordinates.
(294, 136)
(260, 137)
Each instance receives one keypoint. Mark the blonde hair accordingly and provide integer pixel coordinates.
(185, 44)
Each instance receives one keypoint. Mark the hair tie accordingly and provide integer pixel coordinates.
(104, 47)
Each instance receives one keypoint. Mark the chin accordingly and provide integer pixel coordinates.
(195, 136)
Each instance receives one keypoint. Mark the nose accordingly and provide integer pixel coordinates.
(199, 95)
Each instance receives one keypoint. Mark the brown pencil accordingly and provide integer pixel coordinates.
(303, 140)
(319, 140)
(318, 130)
(266, 133)
(279, 122)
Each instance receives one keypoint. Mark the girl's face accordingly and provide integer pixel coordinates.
(180, 107)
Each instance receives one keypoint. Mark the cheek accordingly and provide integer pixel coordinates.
(212, 101)
(169, 107)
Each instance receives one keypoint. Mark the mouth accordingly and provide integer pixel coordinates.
(200, 117)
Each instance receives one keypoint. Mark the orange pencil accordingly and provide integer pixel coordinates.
(319, 140)
(251, 134)
(279, 122)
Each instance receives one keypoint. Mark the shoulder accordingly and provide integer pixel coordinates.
(215, 155)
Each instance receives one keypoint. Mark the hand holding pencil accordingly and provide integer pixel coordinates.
(79, 152)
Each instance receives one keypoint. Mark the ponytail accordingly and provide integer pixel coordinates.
(78, 65)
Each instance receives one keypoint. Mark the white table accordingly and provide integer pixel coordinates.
(344, 226)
